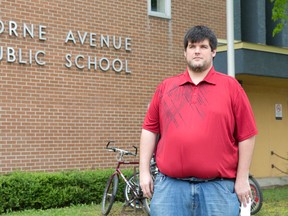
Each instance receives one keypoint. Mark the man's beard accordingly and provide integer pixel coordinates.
(197, 67)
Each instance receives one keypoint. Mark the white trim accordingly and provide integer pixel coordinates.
(166, 14)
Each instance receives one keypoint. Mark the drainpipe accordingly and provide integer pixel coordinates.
(230, 37)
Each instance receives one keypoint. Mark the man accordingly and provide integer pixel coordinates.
(207, 134)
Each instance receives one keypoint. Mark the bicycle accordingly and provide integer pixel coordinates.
(134, 196)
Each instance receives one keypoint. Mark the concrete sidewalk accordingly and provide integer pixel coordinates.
(272, 181)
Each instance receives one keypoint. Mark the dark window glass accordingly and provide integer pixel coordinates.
(153, 5)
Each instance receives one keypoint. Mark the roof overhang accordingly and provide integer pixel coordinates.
(254, 59)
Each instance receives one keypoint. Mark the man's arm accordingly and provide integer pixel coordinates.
(147, 147)
(242, 187)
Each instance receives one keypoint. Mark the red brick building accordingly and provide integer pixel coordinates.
(57, 110)
(76, 74)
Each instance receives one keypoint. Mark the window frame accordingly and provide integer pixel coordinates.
(166, 14)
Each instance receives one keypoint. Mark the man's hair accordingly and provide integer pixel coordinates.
(198, 34)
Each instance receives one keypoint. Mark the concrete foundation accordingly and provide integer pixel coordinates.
(272, 181)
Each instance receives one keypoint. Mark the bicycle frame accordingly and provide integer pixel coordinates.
(118, 171)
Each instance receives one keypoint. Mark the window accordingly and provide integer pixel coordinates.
(159, 8)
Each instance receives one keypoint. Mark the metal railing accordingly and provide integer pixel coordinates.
(277, 168)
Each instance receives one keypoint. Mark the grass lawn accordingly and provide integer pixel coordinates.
(275, 204)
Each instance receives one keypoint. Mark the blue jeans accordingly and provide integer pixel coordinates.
(174, 197)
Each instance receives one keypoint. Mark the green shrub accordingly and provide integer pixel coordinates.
(30, 190)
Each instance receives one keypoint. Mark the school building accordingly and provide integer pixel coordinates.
(76, 74)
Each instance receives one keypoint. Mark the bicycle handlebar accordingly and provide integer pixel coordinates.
(121, 151)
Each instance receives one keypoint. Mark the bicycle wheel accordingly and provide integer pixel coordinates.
(130, 197)
(257, 195)
(110, 193)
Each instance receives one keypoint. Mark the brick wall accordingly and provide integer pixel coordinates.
(55, 117)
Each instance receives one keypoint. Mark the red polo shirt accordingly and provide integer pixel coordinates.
(200, 125)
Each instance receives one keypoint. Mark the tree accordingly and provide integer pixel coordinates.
(279, 15)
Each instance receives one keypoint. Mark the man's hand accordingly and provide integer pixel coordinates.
(243, 191)
(146, 184)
